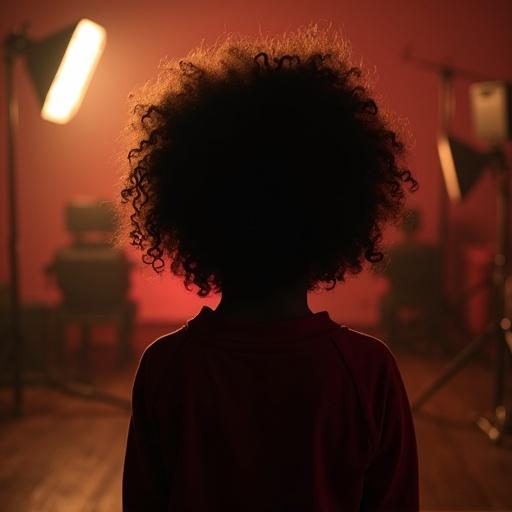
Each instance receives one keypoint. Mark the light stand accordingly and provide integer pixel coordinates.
(498, 331)
(13, 46)
(61, 88)
(446, 74)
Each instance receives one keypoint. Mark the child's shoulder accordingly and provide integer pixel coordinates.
(363, 348)
(374, 372)
(368, 359)
(164, 346)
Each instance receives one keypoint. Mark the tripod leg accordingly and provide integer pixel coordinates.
(502, 368)
(461, 360)
(500, 423)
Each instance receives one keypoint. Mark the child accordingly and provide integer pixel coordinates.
(262, 169)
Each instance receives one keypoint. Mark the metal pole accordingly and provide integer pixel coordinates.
(500, 423)
(446, 113)
(15, 338)
(500, 266)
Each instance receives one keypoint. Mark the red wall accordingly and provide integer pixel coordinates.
(83, 158)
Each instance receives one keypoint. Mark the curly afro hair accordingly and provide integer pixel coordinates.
(261, 162)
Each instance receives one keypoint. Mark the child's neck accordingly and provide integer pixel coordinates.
(281, 304)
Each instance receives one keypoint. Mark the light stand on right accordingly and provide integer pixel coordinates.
(462, 166)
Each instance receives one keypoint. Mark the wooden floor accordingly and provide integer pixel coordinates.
(65, 454)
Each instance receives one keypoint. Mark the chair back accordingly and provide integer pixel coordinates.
(92, 279)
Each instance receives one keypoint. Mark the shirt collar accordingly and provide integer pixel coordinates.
(207, 321)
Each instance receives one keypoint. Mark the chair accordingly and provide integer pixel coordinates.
(414, 305)
(93, 277)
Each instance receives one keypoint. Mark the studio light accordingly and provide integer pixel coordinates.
(60, 68)
(461, 164)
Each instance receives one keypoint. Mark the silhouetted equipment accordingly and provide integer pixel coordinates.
(462, 164)
(491, 108)
(414, 273)
(60, 68)
(93, 277)
(461, 167)
(36, 329)
(446, 73)
(86, 217)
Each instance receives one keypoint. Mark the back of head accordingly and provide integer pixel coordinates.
(262, 162)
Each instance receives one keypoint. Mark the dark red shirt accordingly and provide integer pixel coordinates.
(300, 415)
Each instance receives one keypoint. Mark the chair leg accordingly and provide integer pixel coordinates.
(84, 353)
(125, 330)
(60, 343)
(388, 320)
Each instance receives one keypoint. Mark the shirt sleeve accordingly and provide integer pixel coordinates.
(391, 479)
(143, 475)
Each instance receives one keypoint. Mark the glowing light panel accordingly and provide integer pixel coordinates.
(448, 168)
(75, 72)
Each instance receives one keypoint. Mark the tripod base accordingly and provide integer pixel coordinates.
(500, 424)
(459, 362)
(497, 427)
